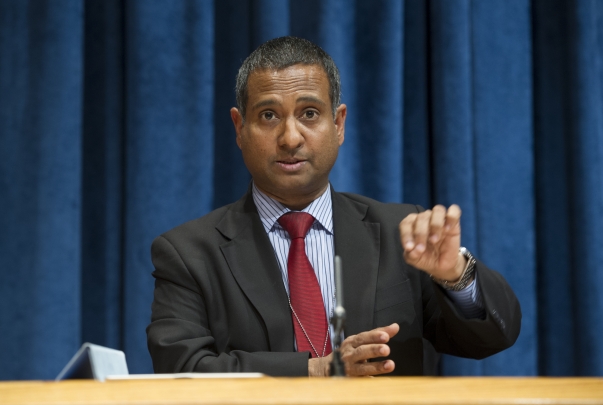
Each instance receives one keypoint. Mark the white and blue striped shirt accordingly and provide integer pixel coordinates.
(320, 249)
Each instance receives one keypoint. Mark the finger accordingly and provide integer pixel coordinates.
(406, 232)
(420, 234)
(391, 330)
(374, 336)
(453, 218)
(381, 334)
(371, 368)
(364, 353)
(436, 224)
(353, 355)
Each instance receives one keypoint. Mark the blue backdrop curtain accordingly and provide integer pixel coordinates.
(114, 127)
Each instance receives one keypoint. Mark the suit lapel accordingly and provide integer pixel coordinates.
(251, 259)
(357, 242)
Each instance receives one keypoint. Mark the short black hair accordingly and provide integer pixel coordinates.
(280, 53)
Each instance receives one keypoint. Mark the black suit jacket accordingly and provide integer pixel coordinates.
(220, 304)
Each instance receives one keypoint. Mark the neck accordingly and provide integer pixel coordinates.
(295, 202)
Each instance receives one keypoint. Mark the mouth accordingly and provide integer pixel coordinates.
(291, 164)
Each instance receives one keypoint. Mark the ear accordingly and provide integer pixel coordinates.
(340, 115)
(237, 120)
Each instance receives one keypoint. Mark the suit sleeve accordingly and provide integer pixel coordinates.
(451, 333)
(179, 336)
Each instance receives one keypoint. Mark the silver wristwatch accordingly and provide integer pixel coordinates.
(465, 276)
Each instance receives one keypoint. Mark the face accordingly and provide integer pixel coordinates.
(289, 138)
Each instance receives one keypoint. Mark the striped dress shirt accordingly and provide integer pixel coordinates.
(320, 250)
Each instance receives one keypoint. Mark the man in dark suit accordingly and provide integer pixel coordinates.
(232, 295)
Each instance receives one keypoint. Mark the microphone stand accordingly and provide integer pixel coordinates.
(338, 322)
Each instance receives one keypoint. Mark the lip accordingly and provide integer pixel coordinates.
(291, 165)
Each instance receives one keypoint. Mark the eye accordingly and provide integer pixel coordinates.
(310, 114)
(267, 115)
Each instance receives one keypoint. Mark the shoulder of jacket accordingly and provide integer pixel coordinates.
(199, 225)
(379, 206)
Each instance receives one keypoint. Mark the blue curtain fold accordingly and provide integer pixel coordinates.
(168, 141)
(41, 69)
(102, 157)
(568, 59)
(115, 127)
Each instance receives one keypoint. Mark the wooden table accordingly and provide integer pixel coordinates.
(382, 391)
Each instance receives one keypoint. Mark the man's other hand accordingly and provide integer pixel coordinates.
(356, 350)
(431, 242)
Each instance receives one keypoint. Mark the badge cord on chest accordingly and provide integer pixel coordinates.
(305, 299)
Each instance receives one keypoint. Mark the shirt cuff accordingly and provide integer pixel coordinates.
(469, 301)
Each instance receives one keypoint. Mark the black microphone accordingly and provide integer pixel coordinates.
(338, 322)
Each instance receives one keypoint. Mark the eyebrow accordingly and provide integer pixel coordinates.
(264, 103)
(304, 99)
(311, 100)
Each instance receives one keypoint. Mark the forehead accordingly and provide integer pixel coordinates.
(291, 80)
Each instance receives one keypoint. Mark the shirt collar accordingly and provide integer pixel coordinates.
(271, 210)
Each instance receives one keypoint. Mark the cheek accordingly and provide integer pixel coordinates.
(254, 153)
(330, 145)
(257, 152)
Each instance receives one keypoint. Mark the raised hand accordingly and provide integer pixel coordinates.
(431, 242)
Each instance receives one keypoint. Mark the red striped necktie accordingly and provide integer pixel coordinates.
(305, 299)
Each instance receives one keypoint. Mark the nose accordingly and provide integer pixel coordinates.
(291, 138)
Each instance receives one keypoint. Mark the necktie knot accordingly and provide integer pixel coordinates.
(297, 224)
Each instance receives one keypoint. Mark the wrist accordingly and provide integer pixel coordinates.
(318, 367)
(459, 268)
(466, 276)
